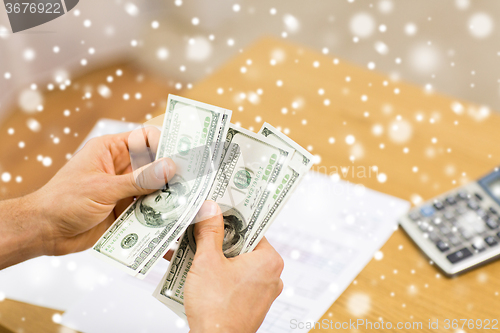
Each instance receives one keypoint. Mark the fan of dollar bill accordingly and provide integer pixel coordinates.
(249, 175)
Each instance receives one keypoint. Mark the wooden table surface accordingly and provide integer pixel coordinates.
(423, 143)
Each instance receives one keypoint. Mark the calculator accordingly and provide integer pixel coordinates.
(460, 229)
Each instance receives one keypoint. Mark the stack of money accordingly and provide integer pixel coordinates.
(249, 175)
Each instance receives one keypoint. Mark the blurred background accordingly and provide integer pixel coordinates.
(447, 46)
(119, 59)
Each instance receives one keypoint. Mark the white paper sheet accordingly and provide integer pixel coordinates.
(326, 234)
(125, 306)
(56, 282)
(108, 126)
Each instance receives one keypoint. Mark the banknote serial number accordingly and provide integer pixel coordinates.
(33, 7)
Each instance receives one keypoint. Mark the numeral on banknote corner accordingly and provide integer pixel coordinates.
(205, 128)
(269, 168)
(281, 186)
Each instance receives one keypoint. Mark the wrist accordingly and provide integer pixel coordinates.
(36, 204)
(210, 324)
(22, 228)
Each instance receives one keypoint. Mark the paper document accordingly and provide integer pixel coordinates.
(125, 306)
(327, 233)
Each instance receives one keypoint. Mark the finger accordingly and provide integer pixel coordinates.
(128, 169)
(142, 181)
(137, 148)
(209, 228)
(149, 135)
(119, 153)
(142, 145)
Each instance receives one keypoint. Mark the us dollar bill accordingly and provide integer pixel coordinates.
(287, 181)
(192, 211)
(150, 225)
(250, 164)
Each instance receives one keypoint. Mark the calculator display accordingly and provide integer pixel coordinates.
(491, 184)
(494, 187)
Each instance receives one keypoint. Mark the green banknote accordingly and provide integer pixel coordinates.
(192, 136)
(287, 181)
(250, 167)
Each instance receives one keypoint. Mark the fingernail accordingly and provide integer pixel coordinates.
(161, 169)
(208, 209)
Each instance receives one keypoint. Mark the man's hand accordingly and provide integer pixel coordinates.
(229, 295)
(94, 187)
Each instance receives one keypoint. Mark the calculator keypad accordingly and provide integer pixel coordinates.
(459, 225)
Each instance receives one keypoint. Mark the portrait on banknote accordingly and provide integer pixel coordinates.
(162, 207)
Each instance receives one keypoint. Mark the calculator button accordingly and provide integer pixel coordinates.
(491, 223)
(493, 210)
(451, 200)
(473, 205)
(444, 230)
(490, 240)
(479, 245)
(448, 214)
(462, 195)
(498, 235)
(427, 211)
(438, 205)
(467, 233)
(461, 210)
(437, 220)
(454, 240)
(414, 215)
(423, 225)
(459, 255)
(481, 212)
(479, 227)
(433, 237)
(442, 246)
(478, 196)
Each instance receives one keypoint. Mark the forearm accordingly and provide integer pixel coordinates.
(21, 229)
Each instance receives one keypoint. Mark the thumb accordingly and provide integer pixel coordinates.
(144, 180)
(209, 228)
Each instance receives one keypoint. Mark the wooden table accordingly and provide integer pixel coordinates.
(423, 143)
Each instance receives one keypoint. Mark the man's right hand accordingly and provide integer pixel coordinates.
(229, 295)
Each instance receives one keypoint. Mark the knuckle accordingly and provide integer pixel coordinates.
(280, 263)
(94, 142)
(207, 230)
(280, 287)
(275, 263)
